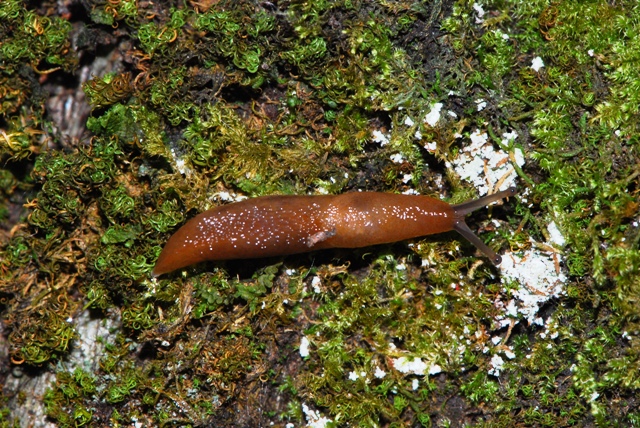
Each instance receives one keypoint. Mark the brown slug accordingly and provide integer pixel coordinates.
(279, 225)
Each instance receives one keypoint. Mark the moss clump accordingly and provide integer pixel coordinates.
(218, 99)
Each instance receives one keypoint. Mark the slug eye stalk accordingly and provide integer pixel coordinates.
(461, 210)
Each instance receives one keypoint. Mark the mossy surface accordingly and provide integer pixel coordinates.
(212, 99)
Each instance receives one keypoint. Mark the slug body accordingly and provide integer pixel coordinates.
(279, 225)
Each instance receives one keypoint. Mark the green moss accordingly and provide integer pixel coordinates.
(164, 96)
(105, 91)
(236, 39)
(212, 295)
(5, 413)
(33, 38)
(114, 11)
(166, 218)
(213, 128)
(312, 52)
(120, 390)
(18, 253)
(44, 336)
(119, 235)
(117, 204)
(255, 100)
(20, 140)
(118, 121)
(154, 37)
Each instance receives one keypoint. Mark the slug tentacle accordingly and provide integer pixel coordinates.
(461, 210)
(465, 208)
(462, 228)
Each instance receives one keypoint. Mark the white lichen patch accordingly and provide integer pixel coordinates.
(314, 418)
(433, 116)
(410, 365)
(416, 366)
(380, 138)
(304, 347)
(397, 158)
(179, 163)
(431, 147)
(537, 64)
(354, 376)
(497, 364)
(229, 197)
(539, 279)
(315, 283)
(499, 33)
(486, 167)
(410, 192)
(408, 121)
(435, 369)
(479, 13)
(555, 236)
